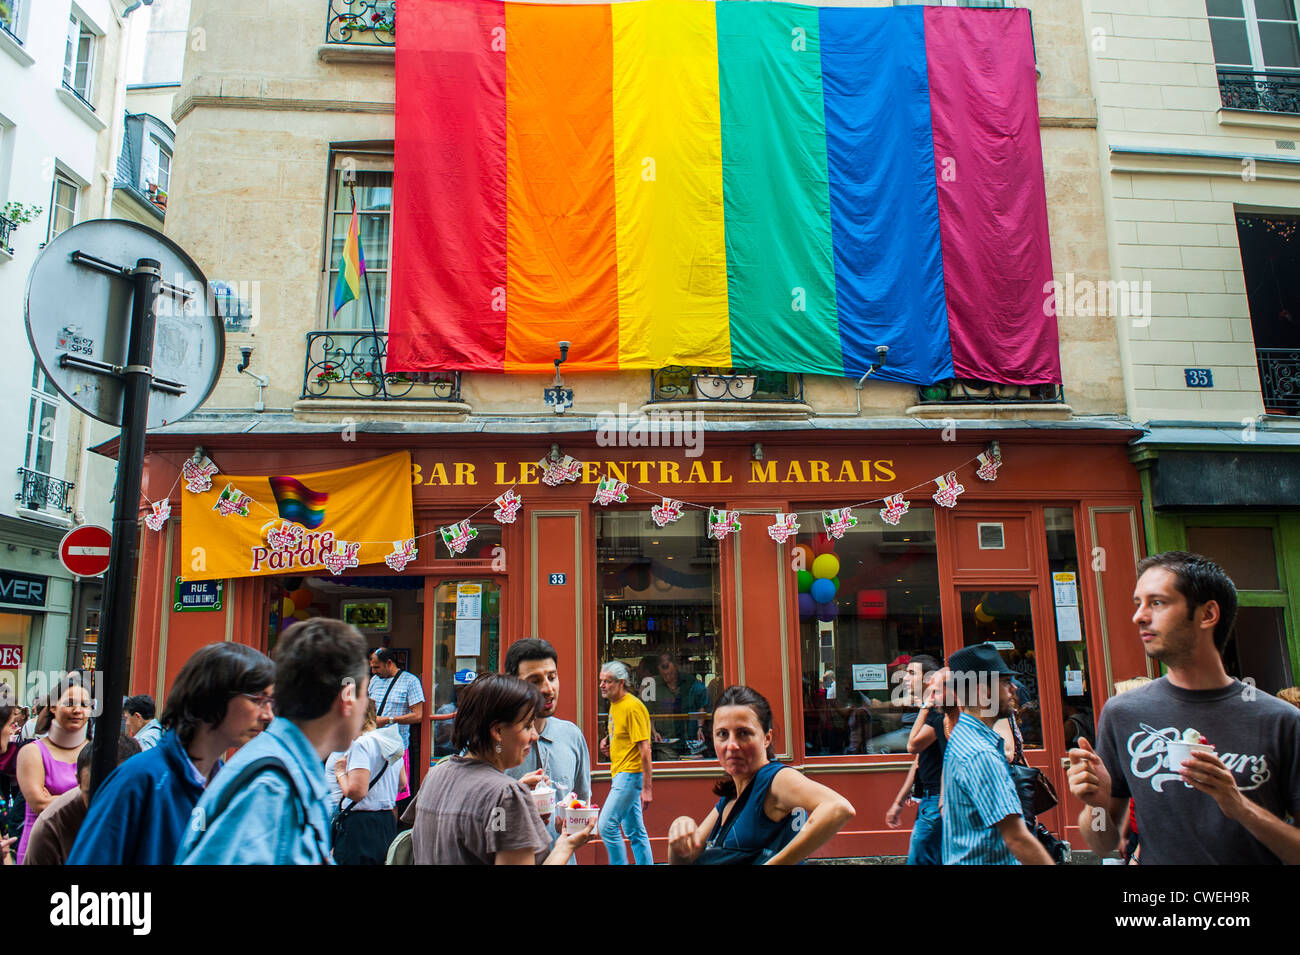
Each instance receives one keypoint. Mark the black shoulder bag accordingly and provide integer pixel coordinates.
(341, 817)
(1037, 796)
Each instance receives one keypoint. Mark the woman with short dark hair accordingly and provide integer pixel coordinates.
(469, 812)
(768, 814)
(220, 700)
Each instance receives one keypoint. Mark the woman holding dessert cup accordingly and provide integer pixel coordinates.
(468, 811)
(768, 813)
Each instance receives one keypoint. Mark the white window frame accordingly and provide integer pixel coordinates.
(359, 162)
(16, 19)
(152, 161)
(62, 178)
(1253, 41)
(79, 29)
(42, 393)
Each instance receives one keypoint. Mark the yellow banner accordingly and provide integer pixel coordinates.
(327, 522)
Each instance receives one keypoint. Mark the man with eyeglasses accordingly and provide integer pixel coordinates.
(222, 698)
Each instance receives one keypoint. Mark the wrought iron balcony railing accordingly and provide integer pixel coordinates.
(40, 491)
(350, 364)
(7, 227)
(963, 390)
(680, 383)
(363, 22)
(1279, 379)
(1274, 91)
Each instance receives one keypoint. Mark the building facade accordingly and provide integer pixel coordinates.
(61, 64)
(1199, 116)
(277, 129)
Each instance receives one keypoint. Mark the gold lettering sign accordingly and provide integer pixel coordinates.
(653, 473)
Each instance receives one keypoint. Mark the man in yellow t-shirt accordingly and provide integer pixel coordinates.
(628, 747)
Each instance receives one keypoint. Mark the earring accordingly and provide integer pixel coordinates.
(498, 747)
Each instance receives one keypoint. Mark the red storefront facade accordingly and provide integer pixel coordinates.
(1040, 559)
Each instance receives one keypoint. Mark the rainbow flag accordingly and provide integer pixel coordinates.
(297, 502)
(347, 288)
(763, 185)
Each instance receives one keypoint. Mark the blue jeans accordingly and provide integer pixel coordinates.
(623, 809)
(927, 834)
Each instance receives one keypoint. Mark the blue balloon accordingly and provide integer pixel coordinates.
(822, 590)
(807, 606)
(827, 612)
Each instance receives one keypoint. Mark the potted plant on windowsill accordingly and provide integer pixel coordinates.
(18, 214)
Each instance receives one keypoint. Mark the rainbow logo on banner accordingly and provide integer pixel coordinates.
(757, 185)
(298, 503)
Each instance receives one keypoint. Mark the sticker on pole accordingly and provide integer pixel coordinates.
(84, 550)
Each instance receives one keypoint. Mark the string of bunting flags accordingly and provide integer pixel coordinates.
(289, 529)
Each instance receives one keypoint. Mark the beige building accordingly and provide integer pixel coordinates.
(268, 120)
(1199, 119)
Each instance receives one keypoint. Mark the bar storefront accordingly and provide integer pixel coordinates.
(694, 598)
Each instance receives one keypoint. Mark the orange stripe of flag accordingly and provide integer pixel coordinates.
(561, 258)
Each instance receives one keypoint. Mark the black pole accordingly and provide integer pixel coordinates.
(115, 631)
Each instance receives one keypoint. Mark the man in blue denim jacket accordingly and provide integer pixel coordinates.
(267, 806)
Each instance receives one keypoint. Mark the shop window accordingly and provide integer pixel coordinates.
(1245, 553)
(374, 194)
(658, 606)
(466, 645)
(1074, 675)
(868, 602)
(1257, 648)
(15, 633)
(1005, 618)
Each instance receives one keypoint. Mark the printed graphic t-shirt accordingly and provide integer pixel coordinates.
(1257, 736)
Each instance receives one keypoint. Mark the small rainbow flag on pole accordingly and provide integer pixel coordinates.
(348, 287)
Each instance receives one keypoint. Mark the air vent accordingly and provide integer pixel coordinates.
(992, 537)
(1284, 143)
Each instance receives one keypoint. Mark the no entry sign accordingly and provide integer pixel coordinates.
(84, 550)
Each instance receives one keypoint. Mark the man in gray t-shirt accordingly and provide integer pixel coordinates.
(1255, 735)
(1225, 807)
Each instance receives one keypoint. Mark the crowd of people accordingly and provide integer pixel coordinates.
(320, 771)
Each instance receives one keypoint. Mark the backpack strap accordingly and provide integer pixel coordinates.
(251, 771)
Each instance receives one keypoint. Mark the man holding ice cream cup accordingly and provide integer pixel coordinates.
(1211, 763)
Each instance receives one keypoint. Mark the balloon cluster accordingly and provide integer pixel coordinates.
(818, 587)
(294, 606)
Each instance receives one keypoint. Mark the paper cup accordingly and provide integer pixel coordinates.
(575, 820)
(544, 799)
(1177, 751)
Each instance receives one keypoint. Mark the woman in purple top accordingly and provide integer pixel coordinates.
(48, 767)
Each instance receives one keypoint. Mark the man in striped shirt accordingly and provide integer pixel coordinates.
(982, 823)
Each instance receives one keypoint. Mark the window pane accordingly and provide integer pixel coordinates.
(1280, 43)
(1275, 9)
(1224, 8)
(374, 191)
(356, 314)
(1257, 648)
(1230, 45)
(84, 48)
(1005, 617)
(658, 607)
(1245, 553)
(883, 606)
(483, 596)
(1074, 676)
